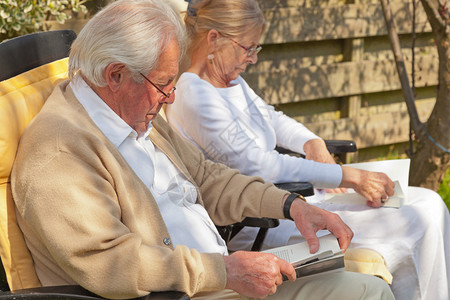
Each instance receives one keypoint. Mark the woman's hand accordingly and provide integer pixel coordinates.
(376, 187)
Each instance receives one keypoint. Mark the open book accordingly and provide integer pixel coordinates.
(328, 257)
(397, 170)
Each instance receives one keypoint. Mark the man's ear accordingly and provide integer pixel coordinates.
(114, 75)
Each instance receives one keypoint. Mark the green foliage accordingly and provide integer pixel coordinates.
(444, 189)
(19, 17)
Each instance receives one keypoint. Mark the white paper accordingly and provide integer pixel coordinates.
(397, 170)
(351, 197)
(298, 254)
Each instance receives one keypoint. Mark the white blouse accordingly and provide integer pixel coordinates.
(236, 127)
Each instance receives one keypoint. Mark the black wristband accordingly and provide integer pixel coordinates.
(287, 205)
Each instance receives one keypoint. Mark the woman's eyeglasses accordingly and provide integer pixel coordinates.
(166, 95)
(249, 51)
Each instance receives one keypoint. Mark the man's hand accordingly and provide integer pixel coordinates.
(376, 187)
(256, 274)
(310, 219)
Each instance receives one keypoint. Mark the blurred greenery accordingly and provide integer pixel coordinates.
(19, 17)
(444, 189)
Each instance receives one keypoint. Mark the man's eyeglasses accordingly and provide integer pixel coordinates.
(166, 95)
(249, 51)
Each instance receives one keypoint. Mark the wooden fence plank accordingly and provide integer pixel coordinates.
(337, 80)
(373, 130)
(294, 24)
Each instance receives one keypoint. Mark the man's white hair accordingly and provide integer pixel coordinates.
(133, 32)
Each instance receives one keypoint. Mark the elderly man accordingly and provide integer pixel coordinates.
(110, 198)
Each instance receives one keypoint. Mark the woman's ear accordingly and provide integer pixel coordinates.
(211, 38)
(114, 75)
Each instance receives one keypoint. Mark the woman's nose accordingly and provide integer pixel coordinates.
(253, 59)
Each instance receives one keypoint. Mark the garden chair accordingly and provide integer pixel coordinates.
(31, 66)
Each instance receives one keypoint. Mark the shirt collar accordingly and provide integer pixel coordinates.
(112, 126)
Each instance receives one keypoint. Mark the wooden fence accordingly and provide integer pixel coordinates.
(329, 65)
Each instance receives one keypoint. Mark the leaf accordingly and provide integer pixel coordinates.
(16, 27)
(28, 8)
(20, 17)
(4, 14)
(61, 18)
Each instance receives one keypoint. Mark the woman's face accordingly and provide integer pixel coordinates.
(232, 58)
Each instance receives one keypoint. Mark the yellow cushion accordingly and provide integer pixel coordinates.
(367, 261)
(21, 98)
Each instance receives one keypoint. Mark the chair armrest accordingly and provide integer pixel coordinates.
(303, 188)
(76, 292)
(259, 222)
(333, 146)
(340, 146)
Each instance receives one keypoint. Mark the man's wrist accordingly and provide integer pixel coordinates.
(288, 203)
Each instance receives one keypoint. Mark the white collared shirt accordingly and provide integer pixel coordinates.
(187, 221)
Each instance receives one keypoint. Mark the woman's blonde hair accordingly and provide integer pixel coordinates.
(231, 18)
(133, 32)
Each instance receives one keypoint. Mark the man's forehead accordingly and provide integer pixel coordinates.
(168, 61)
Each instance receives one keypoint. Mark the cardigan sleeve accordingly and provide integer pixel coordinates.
(203, 116)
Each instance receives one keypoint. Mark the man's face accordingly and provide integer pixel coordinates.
(140, 103)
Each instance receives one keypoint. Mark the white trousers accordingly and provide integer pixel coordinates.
(414, 241)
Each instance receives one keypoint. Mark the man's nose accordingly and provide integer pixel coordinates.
(168, 100)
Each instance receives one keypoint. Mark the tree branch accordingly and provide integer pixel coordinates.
(437, 21)
(401, 69)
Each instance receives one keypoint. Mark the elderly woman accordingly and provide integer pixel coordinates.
(218, 112)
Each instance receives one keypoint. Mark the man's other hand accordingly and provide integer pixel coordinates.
(256, 274)
(310, 219)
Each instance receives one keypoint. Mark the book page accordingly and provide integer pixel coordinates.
(352, 197)
(298, 254)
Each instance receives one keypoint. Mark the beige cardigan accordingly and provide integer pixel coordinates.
(89, 220)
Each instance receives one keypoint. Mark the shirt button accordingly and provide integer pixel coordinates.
(167, 241)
